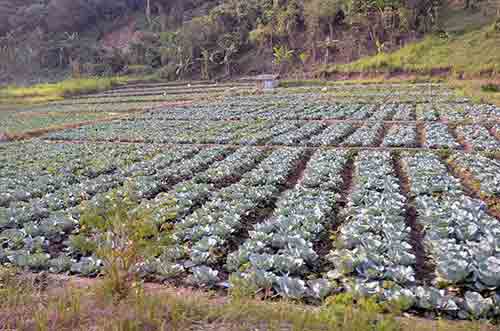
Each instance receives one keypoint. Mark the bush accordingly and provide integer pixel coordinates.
(97, 69)
(496, 25)
(490, 88)
(125, 235)
(168, 72)
(138, 70)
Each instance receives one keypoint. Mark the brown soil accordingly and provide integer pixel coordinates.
(420, 135)
(424, 267)
(324, 246)
(459, 138)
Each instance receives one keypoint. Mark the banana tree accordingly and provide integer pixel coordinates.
(184, 64)
(282, 56)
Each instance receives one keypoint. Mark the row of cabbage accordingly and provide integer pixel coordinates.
(401, 136)
(206, 236)
(34, 233)
(148, 180)
(478, 137)
(281, 252)
(457, 112)
(293, 109)
(313, 108)
(469, 112)
(368, 135)
(191, 192)
(438, 135)
(34, 169)
(480, 170)
(373, 252)
(290, 133)
(460, 238)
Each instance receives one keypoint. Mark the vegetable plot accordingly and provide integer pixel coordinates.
(390, 191)
(373, 254)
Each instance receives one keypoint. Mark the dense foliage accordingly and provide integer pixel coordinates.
(204, 37)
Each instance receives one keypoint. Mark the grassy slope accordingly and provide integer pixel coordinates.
(40, 302)
(56, 91)
(472, 48)
(471, 53)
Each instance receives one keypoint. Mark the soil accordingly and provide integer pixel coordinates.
(420, 135)
(325, 245)
(424, 267)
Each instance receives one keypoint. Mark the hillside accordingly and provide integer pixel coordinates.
(47, 40)
(471, 54)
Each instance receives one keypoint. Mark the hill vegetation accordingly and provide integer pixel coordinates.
(202, 39)
(471, 54)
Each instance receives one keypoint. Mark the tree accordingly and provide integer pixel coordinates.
(228, 46)
(205, 62)
(282, 56)
(148, 10)
(328, 45)
(319, 13)
(304, 58)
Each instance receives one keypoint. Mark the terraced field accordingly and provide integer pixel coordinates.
(383, 190)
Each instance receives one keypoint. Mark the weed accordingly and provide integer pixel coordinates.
(124, 234)
(241, 289)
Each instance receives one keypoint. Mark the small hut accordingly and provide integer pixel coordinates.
(263, 82)
(267, 82)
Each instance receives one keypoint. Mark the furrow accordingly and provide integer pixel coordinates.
(423, 266)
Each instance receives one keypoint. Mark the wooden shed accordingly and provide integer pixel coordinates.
(267, 82)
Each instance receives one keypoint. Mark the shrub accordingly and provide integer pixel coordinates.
(490, 88)
(125, 235)
(138, 70)
(168, 72)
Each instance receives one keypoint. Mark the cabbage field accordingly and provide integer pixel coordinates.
(390, 191)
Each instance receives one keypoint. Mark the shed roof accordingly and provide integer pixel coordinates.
(262, 77)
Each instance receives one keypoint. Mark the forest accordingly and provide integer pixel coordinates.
(204, 38)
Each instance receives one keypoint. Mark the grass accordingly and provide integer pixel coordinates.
(57, 91)
(471, 54)
(39, 302)
(477, 90)
(368, 81)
